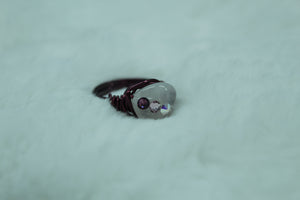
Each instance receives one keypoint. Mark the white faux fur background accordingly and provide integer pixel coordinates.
(235, 133)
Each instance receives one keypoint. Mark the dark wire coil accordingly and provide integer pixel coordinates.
(121, 103)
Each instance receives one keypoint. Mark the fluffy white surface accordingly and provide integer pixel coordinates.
(235, 132)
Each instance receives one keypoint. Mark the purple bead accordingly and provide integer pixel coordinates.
(143, 103)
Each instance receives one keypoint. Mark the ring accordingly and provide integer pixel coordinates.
(143, 98)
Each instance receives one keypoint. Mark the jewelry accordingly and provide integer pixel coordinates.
(143, 98)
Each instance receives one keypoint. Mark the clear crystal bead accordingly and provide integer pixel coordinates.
(165, 109)
(155, 106)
